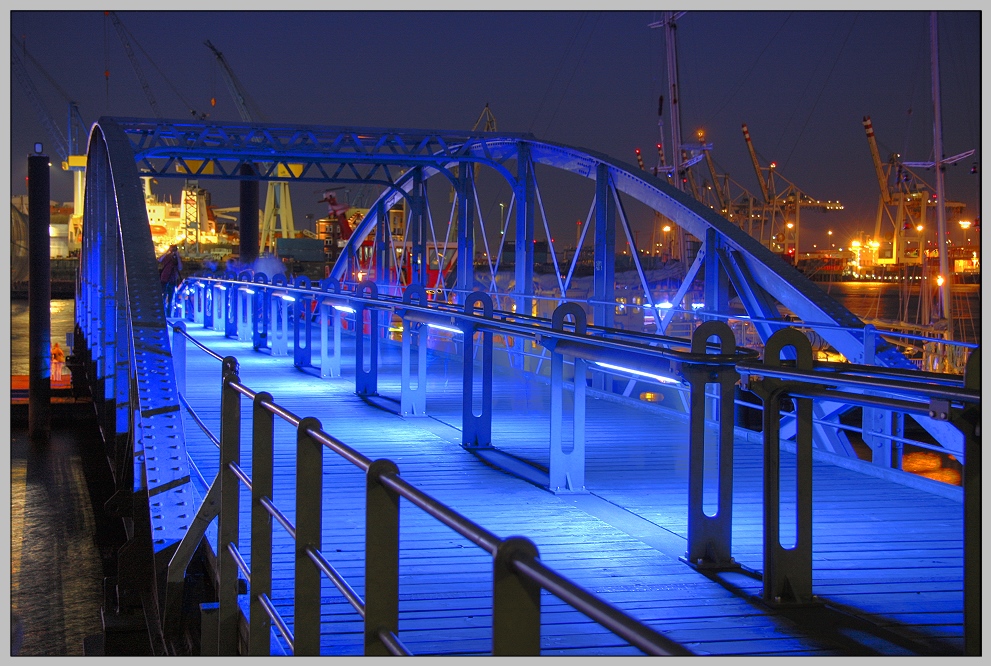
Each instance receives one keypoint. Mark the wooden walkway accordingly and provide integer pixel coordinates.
(887, 557)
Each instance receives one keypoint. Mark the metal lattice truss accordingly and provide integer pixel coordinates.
(119, 304)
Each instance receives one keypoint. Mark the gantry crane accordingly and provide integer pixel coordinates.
(126, 43)
(278, 204)
(69, 149)
(780, 213)
(905, 203)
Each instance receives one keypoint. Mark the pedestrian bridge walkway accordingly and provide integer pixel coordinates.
(887, 555)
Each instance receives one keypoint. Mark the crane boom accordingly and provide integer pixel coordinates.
(61, 145)
(753, 158)
(232, 84)
(878, 167)
(126, 43)
(490, 120)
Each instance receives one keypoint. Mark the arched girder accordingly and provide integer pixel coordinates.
(366, 155)
(120, 300)
(750, 259)
(782, 281)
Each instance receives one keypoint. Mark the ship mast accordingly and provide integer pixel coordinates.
(946, 305)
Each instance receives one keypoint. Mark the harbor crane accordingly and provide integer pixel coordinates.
(780, 214)
(278, 204)
(126, 43)
(905, 204)
(67, 147)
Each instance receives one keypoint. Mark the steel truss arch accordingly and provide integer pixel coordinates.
(728, 253)
(325, 154)
(120, 311)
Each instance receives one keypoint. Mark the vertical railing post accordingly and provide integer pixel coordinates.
(245, 313)
(710, 537)
(262, 424)
(281, 311)
(515, 602)
(366, 381)
(381, 557)
(476, 430)
(968, 420)
(330, 357)
(309, 535)
(567, 465)
(413, 402)
(230, 452)
(208, 304)
(230, 310)
(302, 331)
(787, 571)
(179, 354)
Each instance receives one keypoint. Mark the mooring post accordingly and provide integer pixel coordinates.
(39, 297)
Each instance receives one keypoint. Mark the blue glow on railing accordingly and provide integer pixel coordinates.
(221, 287)
(665, 305)
(286, 297)
(698, 306)
(344, 308)
(662, 379)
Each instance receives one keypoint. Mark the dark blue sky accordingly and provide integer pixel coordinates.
(801, 80)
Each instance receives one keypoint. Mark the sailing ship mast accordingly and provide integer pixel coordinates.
(946, 305)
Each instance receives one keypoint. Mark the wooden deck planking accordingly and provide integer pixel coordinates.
(645, 473)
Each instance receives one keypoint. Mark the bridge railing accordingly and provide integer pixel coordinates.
(938, 396)
(793, 386)
(272, 316)
(518, 573)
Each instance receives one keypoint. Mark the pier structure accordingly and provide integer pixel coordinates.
(181, 450)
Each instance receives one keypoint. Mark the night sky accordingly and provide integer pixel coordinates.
(802, 81)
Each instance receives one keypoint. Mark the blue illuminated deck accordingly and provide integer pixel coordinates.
(889, 553)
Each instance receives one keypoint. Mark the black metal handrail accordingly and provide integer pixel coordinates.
(385, 486)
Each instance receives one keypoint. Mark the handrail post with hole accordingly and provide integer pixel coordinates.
(567, 464)
(710, 536)
(413, 401)
(476, 429)
(787, 571)
(366, 380)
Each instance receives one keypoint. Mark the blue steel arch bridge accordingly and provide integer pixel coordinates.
(514, 328)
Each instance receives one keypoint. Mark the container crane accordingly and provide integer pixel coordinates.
(905, 203)
(68, 149)
(126, 43)
(782, 209)
(278, 204)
